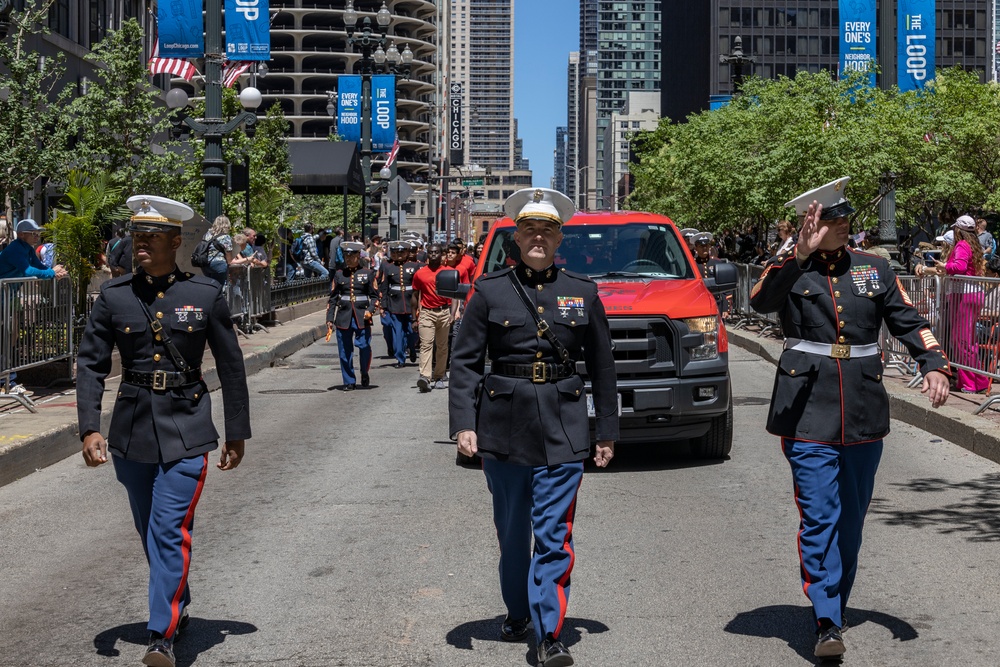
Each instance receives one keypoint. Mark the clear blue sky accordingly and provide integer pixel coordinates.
(545, 31)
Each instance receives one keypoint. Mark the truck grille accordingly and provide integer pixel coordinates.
(643, 347)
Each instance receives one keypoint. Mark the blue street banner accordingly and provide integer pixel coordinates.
(857, 37)
(349, 107)
(248, 30)
(181, 29)
(383, 112)
(915, 49)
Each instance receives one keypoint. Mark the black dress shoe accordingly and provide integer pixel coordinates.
(413, 357)
(348, 387)
(552, 653)
(365, 380)
(830, 643)
(160, 652)
(514, 629)
(399, 365)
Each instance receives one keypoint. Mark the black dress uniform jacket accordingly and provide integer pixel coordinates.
(148, 425)
(353, 295)
(838, 297)
(396, 287)
(515, 419)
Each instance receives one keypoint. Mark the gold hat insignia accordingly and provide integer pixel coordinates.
(539, 196)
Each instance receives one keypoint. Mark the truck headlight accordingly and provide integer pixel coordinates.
(709, 327)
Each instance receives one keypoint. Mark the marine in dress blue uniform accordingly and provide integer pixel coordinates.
(396, 288)
(527, 417)
(829, 406)
(353, 300)
(161, 428)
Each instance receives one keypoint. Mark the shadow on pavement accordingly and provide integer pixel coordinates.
(488, 629)
(976, 516)
(792, 624)
(200, 635)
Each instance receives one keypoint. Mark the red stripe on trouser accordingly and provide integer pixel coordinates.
(806, 582)
(175, 611)
(561, 584)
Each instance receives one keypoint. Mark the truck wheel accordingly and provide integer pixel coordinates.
(718, 442)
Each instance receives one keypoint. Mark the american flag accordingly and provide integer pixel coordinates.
(176, 66)
(393, 153)
(232, 70)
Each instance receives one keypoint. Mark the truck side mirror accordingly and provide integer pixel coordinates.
(448, 285)
(723, 278)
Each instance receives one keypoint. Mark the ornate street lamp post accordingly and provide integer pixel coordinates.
(374, 58)
(214, 127)
(737, 61)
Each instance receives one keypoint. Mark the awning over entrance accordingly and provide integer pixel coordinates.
(325, 167)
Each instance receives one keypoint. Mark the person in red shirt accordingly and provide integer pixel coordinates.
(434, 318)
(464, 259)
(454, 259)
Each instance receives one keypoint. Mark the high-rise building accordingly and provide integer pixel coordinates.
(559, 161)
(628, 59)
(996, 40)
(481, 42)
(791, 35)
(572, 124)
(640, 113)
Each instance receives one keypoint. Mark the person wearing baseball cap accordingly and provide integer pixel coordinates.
(19, 260)
(161, 319)
(527, 418)
(829, 405)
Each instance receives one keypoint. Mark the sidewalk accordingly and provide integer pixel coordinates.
(953, 421)
(32, 441)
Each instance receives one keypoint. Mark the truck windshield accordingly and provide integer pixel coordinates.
(640, 250)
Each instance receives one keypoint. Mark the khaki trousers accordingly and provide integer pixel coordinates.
(434, 328)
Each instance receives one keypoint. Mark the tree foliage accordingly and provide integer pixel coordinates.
(736, 166)
(34, 132)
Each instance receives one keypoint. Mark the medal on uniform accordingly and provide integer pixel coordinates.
(565, 303)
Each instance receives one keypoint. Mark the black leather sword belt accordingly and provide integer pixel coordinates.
(161, 380)
(538, 372)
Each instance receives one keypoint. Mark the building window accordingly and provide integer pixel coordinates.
(59, 18)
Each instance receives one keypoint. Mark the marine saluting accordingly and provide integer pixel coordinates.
(828, 405)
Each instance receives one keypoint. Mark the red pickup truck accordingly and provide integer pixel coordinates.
(669, 342)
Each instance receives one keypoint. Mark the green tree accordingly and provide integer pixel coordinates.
(34, 131)
(327, 211)
(120, 119)
(88, 205)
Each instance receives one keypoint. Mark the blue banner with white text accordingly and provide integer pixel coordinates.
(248, 30)
(915, 49)
(349, 107)
(857, 37)
(383, 112)
(180, 29)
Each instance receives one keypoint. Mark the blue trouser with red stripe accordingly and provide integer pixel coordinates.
(346, 339)
(539, 501)
(387, 332)
(163, 497)
(402, 335)
(833, 488)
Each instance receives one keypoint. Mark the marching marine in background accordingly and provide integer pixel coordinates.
(396, 288)
(828, 405)
(160, 319)
(527, 418)
(353, 300)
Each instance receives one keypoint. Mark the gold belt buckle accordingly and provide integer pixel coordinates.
(160, 380)
(539, 372)
(839, 351)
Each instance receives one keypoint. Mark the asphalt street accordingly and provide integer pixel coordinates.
(350, 537)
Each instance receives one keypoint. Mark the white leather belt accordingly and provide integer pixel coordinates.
(397, 288)
(832, 350)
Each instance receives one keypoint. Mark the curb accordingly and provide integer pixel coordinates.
(968, 431)
(27, 456)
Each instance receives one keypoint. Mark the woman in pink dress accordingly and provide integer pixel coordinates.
(964, 302)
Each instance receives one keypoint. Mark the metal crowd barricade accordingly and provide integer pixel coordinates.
(297, 291)
(743, 313)
(36, 327)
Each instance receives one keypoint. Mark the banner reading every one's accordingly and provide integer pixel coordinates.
(857, 37)
(349, 107)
